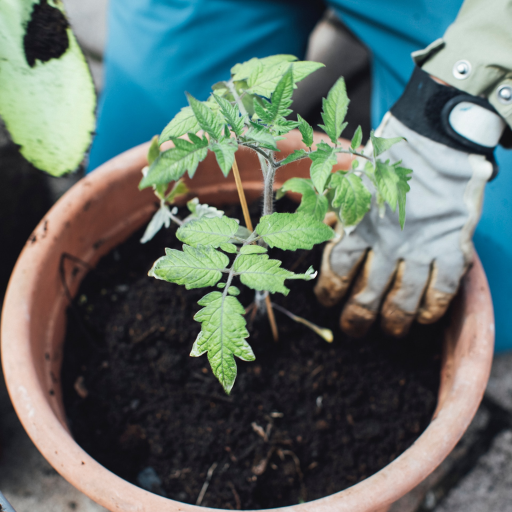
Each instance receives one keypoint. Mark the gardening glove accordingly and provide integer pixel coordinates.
(413, 274)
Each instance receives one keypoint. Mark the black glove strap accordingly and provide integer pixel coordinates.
(425, 106)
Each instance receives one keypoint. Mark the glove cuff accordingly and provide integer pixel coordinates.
(425, 107)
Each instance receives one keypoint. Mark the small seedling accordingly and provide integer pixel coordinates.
(251, 110)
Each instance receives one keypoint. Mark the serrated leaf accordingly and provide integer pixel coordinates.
(242, 71)
(231, 114)
(227, 247)
(225, 154)
(381, 144)
(281, 98)
(351, 197)
(323, 160)
(47, 98)
(259, 272)
(172, 164)
(261, 137)
(283, 126)
(179, 189)
(306, 131)
(334, 110)
(296, 155)
(211, 231)
(403, 187)
(300, 185)
(314, 204)
(386, 180)
(161, 218)
(194, 267)
(184, 122)
(222, 335)
(253, 249)
(292, 231)
(357, 138)
(207, 119)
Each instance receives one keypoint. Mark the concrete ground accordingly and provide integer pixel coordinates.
(477, 477)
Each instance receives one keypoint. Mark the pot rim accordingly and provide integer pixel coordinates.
(466, 368)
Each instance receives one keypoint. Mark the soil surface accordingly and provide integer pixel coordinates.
(305, 420)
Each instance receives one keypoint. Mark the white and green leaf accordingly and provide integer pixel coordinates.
(386, 180)
(207, 119)
(381, 144)
(161, 218)
(223, 336)
(306, 131)
(224, 150)
(231, 114)
(194, 267)
(184, 122)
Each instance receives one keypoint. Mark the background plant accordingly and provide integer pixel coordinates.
(251, 110)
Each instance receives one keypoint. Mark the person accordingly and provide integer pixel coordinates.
(456, 108)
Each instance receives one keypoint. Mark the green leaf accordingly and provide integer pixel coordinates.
(351, 196)
(380, 144)
(194, 267)
(261, 137)
(47, 104)
(184, 122)
(296, 155)
(403, 187)
(226, 247)
(172, 164)
(304, 68)
(291, 231)
(154, 150)
(225, 153)
(242, 234)
(323, 160)
(357, 138)
(312, 203)
(222, 335)
(231, 114)
(386, 180)
(178, 189)
(244, 70)
(283, 126)
(211, 231)
(233, 290)
(253, 249)
(306, 130)
(334, 110)
(206, 118)
(259, 272)
(281, 98)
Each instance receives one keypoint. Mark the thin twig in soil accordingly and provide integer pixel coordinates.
(238, 503)
(296, 461)
(206, 483)
(271, 318)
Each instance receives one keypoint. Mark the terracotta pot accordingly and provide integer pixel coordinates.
(104, 209)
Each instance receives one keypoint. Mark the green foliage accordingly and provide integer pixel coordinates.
(211, 231)
(48, 106)
(252, 109)
(334, 110)
(194, 267)
(292, 231)
(222, 335)
(351, 197)
(323, 160)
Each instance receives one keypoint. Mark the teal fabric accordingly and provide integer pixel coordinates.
(157, 49)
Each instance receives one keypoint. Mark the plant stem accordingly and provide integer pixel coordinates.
(268, 191)
(241, 195)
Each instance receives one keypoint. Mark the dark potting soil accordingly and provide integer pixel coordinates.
(305, 420)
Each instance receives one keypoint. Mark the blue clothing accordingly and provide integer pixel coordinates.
(152, 58)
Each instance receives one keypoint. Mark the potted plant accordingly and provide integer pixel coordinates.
(105, 208)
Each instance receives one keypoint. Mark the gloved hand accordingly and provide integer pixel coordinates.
(413, 274)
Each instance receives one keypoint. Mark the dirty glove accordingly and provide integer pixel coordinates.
(413, 274)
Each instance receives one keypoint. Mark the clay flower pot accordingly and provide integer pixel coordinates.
(100, 212)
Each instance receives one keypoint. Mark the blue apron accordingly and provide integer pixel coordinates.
(157, 49)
